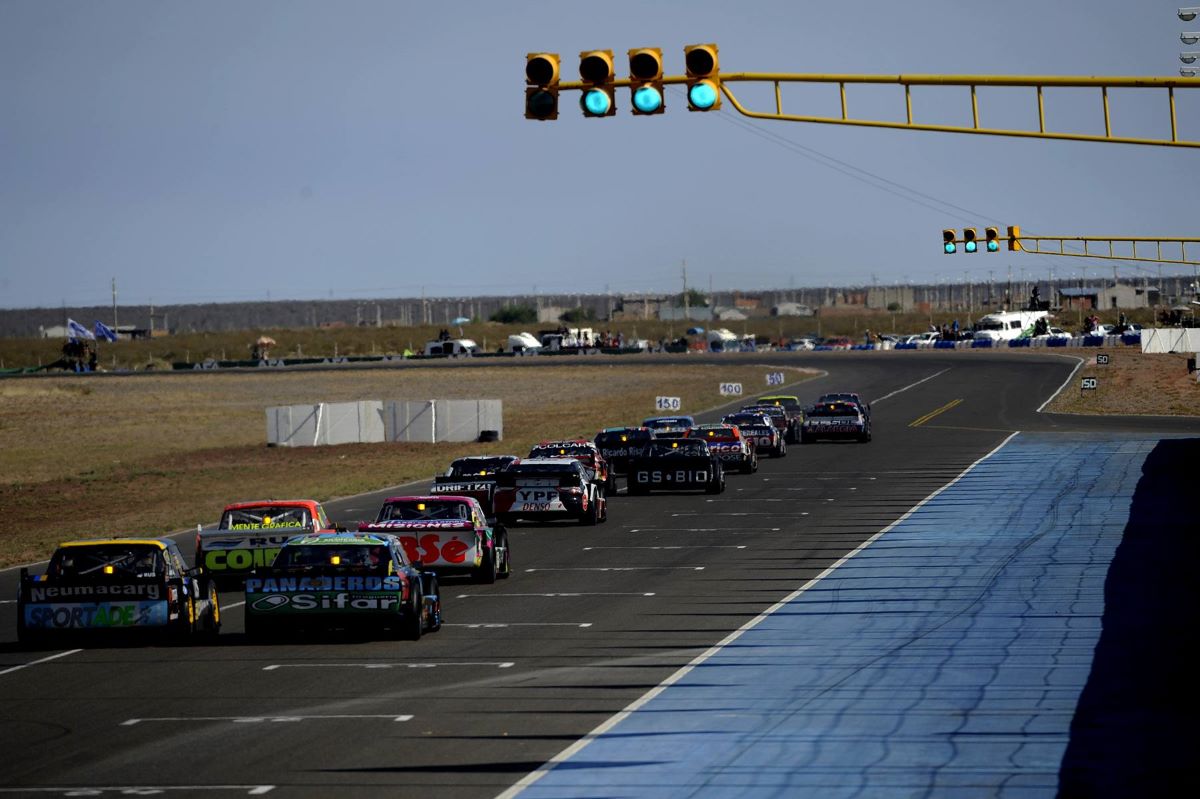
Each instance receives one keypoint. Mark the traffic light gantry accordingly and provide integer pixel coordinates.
(707, 86)
(1101, 247)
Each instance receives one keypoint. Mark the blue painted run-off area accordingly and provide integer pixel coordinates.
(947, 658)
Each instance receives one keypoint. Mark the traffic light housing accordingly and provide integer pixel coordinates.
(541, 86)
(969, 236)
(646, 80)
(991, 235)
(949, 247)
(1014, 238)
(703, 77)
(598, 98)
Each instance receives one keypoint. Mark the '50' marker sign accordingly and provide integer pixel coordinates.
(775, 378)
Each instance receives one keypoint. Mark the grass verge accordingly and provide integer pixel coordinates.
(153, 454)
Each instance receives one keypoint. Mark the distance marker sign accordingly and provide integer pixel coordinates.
(1089, 384)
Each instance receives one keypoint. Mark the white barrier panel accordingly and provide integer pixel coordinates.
(351, 423)
(405, 420)
(292, 425)
(1170, 339)
(423, 421)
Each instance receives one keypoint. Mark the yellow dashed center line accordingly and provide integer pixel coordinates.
(931, 414)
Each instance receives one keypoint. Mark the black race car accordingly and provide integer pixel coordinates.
(343, 581)
(846, 396)
(473, 476)
(677, 464)
(837, 420)
(616, 444)
(98, 588)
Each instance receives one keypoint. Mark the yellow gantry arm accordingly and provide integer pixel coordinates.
(1102, 247)
(1167, 86)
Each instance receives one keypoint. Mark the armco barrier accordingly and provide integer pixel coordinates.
(977, 343)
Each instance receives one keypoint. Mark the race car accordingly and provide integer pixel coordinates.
(727, 443)
(617, 444)
(786, 425)
(343, 581)
(792, 407)
(544, 489)
(250, 534)
(835, 420)
(757, 427)
(846, 396)
(447, 533)
(669, 426)
(584, 451)
(107, 586)
(473, 476)
(681, 464)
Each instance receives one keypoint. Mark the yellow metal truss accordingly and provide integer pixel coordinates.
(1104, 249)
(1167, 86)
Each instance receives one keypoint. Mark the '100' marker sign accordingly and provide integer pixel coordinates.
(731, 389)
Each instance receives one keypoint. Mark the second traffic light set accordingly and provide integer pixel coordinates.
(598, 82)
(950, 239)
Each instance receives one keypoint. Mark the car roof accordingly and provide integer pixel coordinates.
(340, 539)
(161, 543)
(286, 503)
(432, 498)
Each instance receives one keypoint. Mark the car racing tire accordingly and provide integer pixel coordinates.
(592, 515)
(486, 573)
(435, 623)
(781, 450)
(210, 627)
(604, 510)
(412, 620)
(504, 567)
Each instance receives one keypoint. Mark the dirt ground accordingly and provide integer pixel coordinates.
(149, 454)
(1133, 384)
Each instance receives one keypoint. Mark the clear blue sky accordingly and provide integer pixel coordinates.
(233, 150)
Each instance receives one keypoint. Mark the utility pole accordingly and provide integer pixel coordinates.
(114, 292)
(686, 314)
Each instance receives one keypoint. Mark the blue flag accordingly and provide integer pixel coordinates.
(105, 332)
(76, 330)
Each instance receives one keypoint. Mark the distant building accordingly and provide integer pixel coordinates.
(1119, 295)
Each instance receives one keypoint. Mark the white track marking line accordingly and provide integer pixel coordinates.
(615, 569)
(911, 385)
(560, 594)
(234, 605)
(697, 546)
(500, 665)
(608, 724)
(1065, 382)
(497, 624)
(11, 669)
(709, 529)
(270, 719)
(138, 790)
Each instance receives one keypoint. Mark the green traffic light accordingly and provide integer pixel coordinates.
(970, 246)
(647, 99)
(596, 103)
(993, 246)
(950, 248)
(702, 95)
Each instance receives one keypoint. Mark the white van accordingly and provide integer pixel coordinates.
(1007, 325)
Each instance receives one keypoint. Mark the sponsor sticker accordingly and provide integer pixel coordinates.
(323, 602)
(95, 615)
(218, 560)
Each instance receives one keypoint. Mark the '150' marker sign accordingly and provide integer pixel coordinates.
(1089, 384)
(667, 403)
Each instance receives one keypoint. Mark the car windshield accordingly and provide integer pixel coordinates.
(468, 467)
(424, 509)
(107, 562)
(266, 517)
(678, 447)
(664, 423)
(743, 419)
(623, 438)
(836, 409)
(323, 557)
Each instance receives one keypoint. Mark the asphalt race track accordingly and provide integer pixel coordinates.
(1039, 602)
